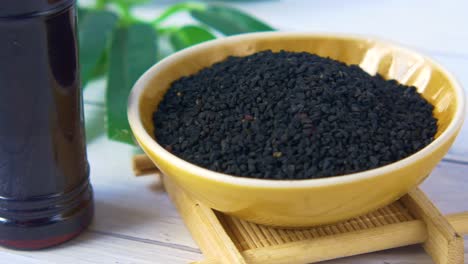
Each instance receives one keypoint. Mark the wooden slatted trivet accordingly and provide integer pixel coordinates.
(411, 220)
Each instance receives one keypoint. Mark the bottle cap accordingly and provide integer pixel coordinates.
(26, 8)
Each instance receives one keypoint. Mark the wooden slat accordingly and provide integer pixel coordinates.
(459, 221)
(444, 244)
(251, 236)
(389, 227)
(204, 226)
(335, 246)
(142, 165)
(347, 244)
(341, 245)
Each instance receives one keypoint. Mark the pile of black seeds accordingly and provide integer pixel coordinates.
(291, 115)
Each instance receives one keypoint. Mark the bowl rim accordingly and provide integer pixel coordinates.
(145, 139)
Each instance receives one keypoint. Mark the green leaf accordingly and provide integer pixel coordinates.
(177, 8)
(95, 33)
(133, 51)
(228, 20)
(102, 66)
(189, 35)
(81, 12)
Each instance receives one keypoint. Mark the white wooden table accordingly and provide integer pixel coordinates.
(135, 221)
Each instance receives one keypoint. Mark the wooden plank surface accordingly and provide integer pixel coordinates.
(135, 221)
(99, 247)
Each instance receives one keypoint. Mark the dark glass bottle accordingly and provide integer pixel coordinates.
(45, 194)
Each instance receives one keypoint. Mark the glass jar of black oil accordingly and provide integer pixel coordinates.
(45, 194)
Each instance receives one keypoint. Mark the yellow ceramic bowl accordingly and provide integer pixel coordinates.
(295, 203)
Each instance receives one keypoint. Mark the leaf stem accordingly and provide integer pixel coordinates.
(177, 8)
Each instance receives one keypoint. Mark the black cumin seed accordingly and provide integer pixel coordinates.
(303, 116)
